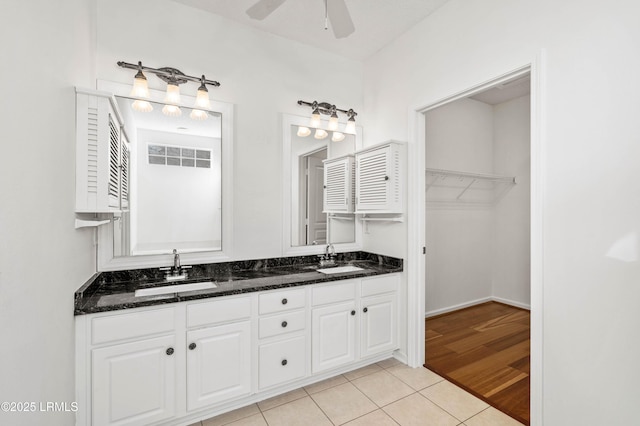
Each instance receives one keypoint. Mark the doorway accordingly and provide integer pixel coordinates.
(313, 221)
(477, 227)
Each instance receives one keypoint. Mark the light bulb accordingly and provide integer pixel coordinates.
(320, 134)
(202, 98)
(171, 111)
(303, 132)
(173, 94)
(315, 118)
(351, 126)
(140, 87)
(198, 114)
(337, 137)
(333, 121)
(141, 106)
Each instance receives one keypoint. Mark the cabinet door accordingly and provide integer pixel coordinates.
(339, 181)
(372, 178)
(218, 364)
(378, 324)
(333, 336)
(134, 383)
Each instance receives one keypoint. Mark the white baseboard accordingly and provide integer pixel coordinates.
(512, 303)
(441, 311)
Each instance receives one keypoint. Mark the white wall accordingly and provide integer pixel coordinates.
(590, 175)
(459, 240)
(511, 214)
(262, 74)
(47, 49)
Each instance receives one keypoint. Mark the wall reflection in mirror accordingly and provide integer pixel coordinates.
(175, 183)
(309, 224)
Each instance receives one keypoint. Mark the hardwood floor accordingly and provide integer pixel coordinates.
(484, 349)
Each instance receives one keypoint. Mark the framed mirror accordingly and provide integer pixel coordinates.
(180, 186)
(306, 228)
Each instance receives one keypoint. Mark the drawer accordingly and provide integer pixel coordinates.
(346, 290)
(218, 311)
(281, 324)
(278, 301)
(133, 324)
(380, 284)
(281, 362)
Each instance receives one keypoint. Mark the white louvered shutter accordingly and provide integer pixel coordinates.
(100, 156)
(339, 185)
(378, 179)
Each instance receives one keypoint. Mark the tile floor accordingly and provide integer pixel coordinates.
(386, 393)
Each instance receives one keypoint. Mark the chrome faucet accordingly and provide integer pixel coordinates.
(176, 260)
(175, 272)
(329, 257)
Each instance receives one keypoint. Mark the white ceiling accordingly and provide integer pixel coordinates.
(377, 22)
(506, 91)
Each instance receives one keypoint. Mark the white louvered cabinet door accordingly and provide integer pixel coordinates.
(378, 179)
(102, 156)
(339, 185)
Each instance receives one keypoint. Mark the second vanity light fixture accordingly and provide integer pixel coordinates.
(174, 78)
(332, 111)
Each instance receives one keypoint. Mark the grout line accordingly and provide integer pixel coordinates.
(443, 409)
(321, 410)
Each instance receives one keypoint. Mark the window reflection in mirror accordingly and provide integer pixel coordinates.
(309, 224)
(175, 183)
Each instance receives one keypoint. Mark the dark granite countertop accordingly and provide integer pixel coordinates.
(110, 291)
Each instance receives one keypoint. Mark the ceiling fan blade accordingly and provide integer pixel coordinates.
(263, 8)
(340, 18)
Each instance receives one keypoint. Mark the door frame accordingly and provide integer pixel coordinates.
(416, 214)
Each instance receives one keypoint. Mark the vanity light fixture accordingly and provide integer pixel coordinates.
(174, 78)
(326, 108)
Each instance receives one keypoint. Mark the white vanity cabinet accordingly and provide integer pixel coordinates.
(133, 368)
(339, 185)
(102, 154)
(218, 351)
(187, 361)
(353, 320)
(282, 328)
(379, 183)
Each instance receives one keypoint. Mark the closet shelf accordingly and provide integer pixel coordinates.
(448, 187)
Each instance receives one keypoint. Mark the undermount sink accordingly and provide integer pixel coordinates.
(176, 288)
(340, 269)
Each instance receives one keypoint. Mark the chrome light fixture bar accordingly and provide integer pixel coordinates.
(319, 108)
(174, 78)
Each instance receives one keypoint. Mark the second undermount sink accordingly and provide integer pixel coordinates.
(340, 269)
(176, 288)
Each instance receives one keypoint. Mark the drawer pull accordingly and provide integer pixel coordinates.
(192, 346)
(284, 301)
(170, 351)
(284, 324)
(365, 310)
(284, 362)
(353, 312)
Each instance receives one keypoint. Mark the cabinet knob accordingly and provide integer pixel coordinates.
(365, 310)
(284, 362)
(353, 312)
(284, 324)
(170, 351)
(284, 301)
(386, 178)
(192, 346)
